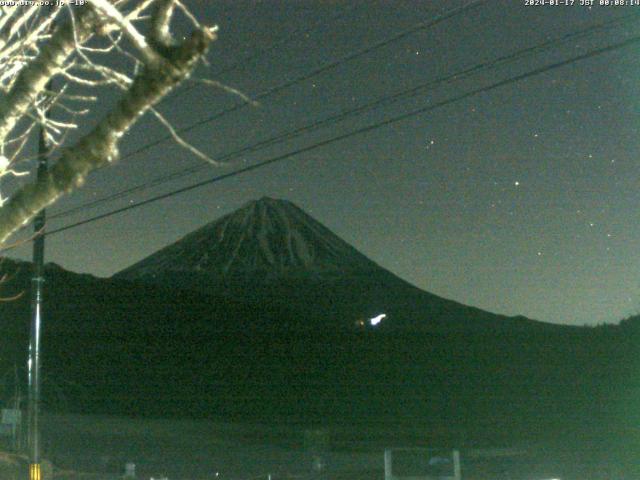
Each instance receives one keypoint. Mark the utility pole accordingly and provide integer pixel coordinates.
(37, 285)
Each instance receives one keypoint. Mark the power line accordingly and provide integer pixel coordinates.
(333, 64)
(420, 26)
(388, 99)
(359, 131)
(268, 49)
(313, 73)
(289, 38)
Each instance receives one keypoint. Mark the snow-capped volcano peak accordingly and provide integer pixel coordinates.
(264, 238)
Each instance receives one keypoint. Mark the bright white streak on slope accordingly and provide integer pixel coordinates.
(376, 320)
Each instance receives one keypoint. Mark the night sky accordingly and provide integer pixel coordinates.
(519, 200)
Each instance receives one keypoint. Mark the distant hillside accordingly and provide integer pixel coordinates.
(272, 253)
(164, 341)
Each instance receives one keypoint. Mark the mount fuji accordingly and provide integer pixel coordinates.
(271, 253)
(266, 314)
(265, 239)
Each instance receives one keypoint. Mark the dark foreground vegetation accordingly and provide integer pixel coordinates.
(120, 348)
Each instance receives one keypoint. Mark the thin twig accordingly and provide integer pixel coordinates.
(183, 143)
(228, 89)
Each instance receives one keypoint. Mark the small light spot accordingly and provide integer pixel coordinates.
(516, 183)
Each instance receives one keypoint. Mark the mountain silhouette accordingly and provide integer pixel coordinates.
(271, 252)
(265, 239)
(266, 315)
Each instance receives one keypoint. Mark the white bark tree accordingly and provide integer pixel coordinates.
(75, 45)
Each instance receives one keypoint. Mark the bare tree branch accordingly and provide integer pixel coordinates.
(100, 146)
(34, 77)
